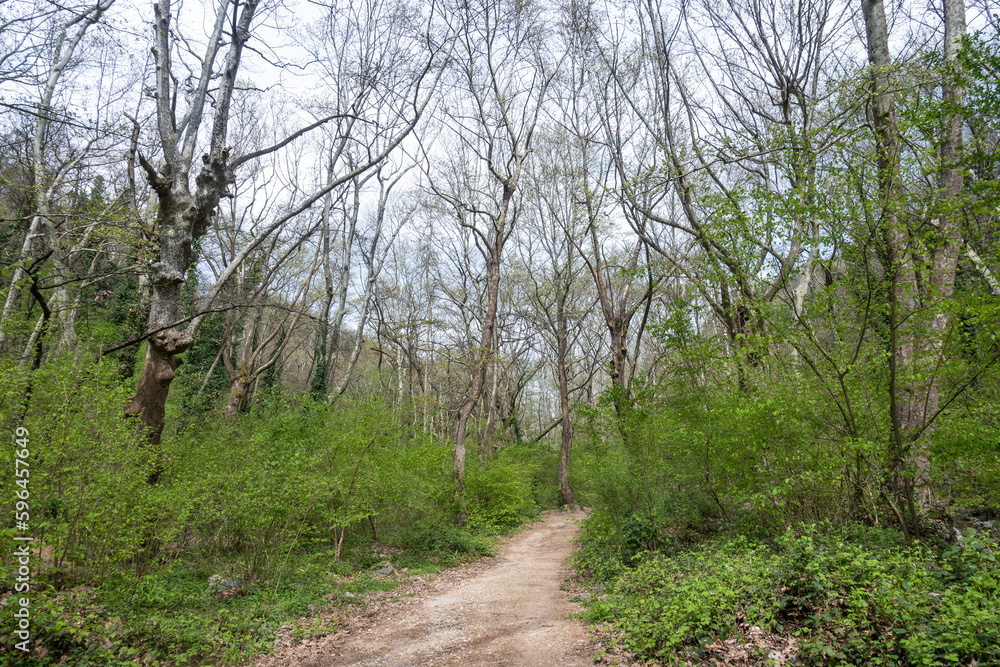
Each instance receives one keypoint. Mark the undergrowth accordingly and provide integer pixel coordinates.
(177, 616)
(853, 596)
(255, 522)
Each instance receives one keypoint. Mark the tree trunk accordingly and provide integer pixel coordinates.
(158, 370)
(562, 352)
(345, 379)
(239, 393)
(486, 444)
(482, 356)
(183, 217)
(318, 387)
(902, 405)
(333, 349)
(944, 261)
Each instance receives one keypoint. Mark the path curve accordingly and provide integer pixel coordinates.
(512, 613)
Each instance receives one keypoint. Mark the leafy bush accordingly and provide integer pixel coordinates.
(441, 539)
(858, 603)
(689, 600)
(499, 495)
(90, 506)
(599, 553)
(850, 599)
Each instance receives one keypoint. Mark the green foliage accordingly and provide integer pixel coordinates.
(599, 547)
(268, 500)
(87, 471)
(540, 463)
(442, 540)
(690, 599)
(242, 485)
(194, 372)
(694, 458)
(850, 597)
(890, 606)
(317, 386)
(499, 496)
(980, 60)
(966, 453)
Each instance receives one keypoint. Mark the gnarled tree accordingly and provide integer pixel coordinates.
(187, 209)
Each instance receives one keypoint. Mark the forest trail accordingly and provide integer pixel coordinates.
(510, 610)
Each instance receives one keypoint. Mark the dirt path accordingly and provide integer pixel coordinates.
(508, 611)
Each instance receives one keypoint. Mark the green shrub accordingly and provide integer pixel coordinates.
(90, 506)
(851, 597)
(442, 539)
(499, 495)
(667, 604)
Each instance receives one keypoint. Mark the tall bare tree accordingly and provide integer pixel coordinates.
(503, 70)
(715, 121)
(379, 236)
(558, 291)
(69, 28)
(185, 212)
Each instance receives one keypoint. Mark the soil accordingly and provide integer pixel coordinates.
(511, 609)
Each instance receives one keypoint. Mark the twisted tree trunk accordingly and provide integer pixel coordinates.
(183, 216)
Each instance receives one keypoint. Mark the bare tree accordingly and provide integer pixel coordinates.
(379, 237)
(503, 70)
(185, 213)
(724, 107)
(328, 341)
(363, 53)
(267, 332)
(69, 30)
(558, 291)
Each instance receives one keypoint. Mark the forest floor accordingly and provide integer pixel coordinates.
(509, 609)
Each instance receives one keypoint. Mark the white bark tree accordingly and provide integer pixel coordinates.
(69, 30)
(186, 212)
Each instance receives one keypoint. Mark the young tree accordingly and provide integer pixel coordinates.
(899, 261)
(267, 331)
(379, 237)
(558, 291)
(328, 340)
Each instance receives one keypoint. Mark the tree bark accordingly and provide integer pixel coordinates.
(562, 352)
(944, 261)
(321, 373)
(902, 405)
(183, 216)
(492, 407)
